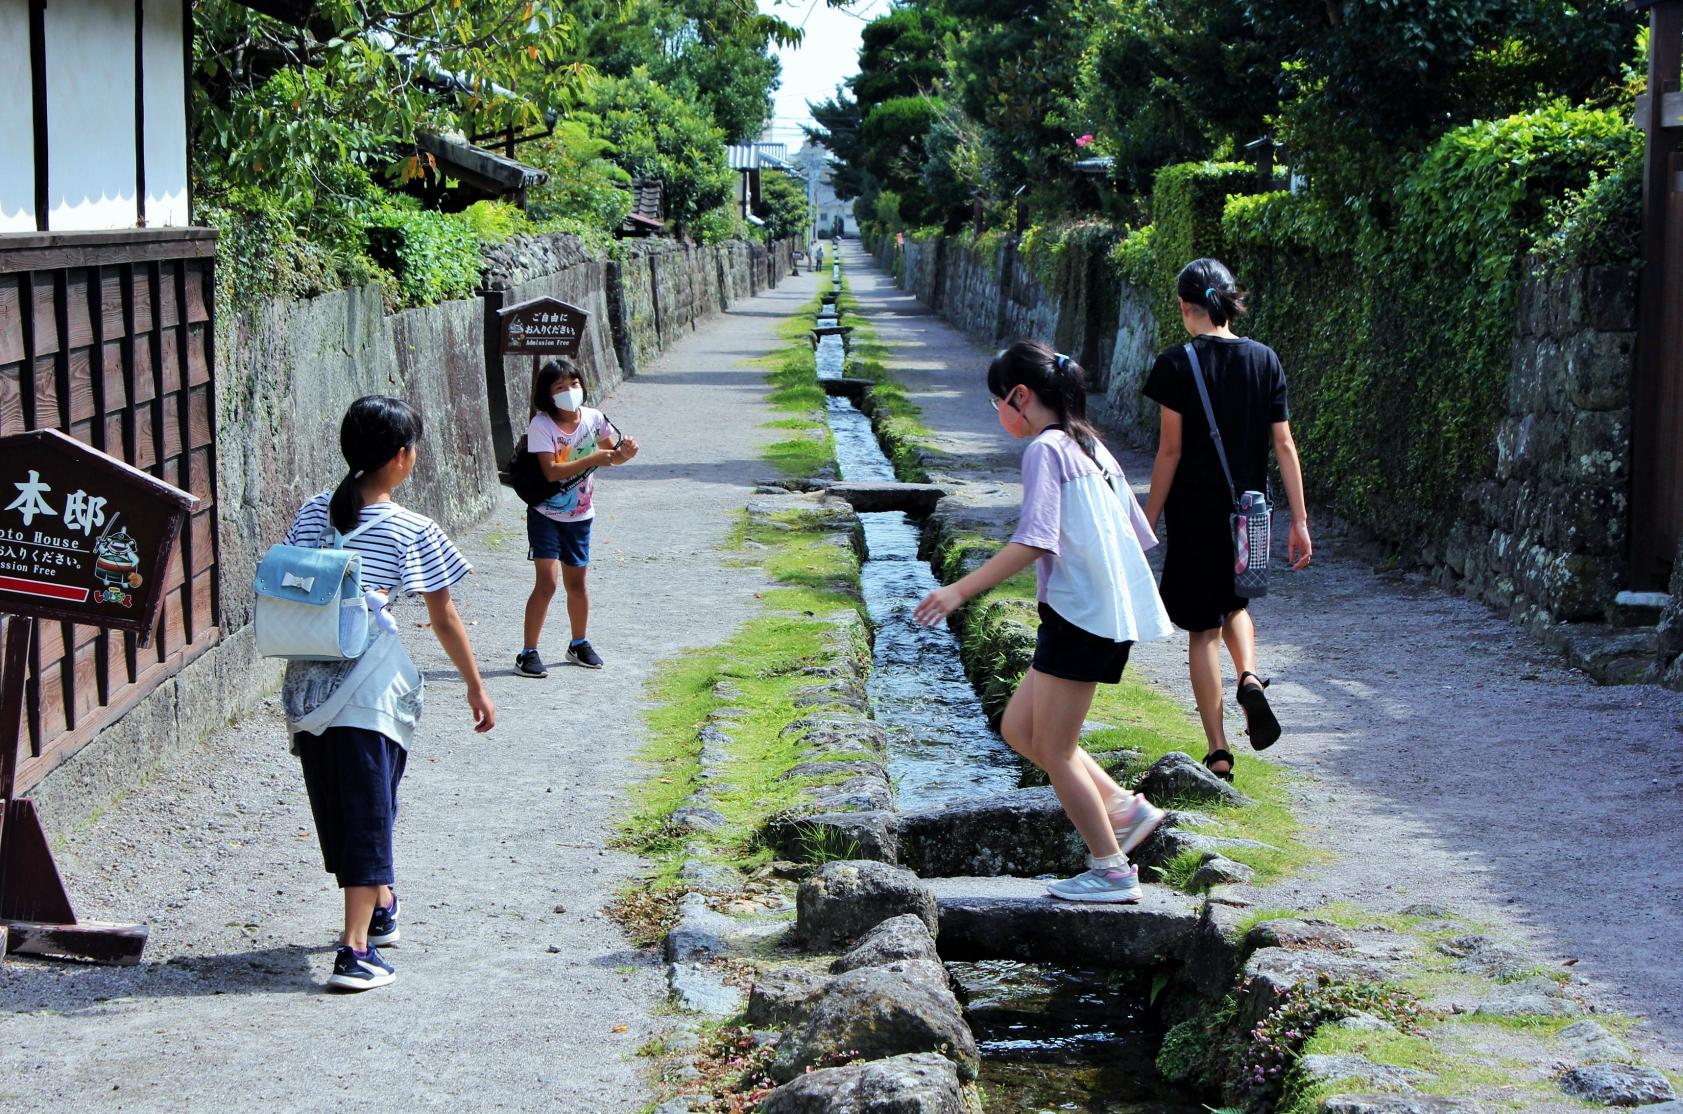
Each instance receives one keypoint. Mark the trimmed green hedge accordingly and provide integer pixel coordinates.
(1397, 335)
(1187, 201)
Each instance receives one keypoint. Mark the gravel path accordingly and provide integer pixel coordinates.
(1445, 755)
(514, 991)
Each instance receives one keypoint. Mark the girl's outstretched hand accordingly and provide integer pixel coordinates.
(484, 712)
(937, 605)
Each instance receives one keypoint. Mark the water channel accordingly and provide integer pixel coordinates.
(1051, 1039)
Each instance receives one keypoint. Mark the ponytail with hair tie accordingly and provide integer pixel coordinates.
(375, 429)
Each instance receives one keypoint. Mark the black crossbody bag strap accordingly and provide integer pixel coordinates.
(1209, 413)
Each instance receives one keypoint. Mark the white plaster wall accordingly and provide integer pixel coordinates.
(90, 115)
(17, 121)
(166, 115)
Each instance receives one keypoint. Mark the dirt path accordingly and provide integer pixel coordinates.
(1445, 755)
(514, 991)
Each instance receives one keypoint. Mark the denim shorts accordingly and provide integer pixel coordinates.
(549, 540)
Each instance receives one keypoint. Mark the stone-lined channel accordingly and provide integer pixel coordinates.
(1051, 1038)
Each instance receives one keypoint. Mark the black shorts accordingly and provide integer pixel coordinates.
(351, 775)
(549, 540)
(1062, 649)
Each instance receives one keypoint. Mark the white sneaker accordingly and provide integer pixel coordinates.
(1135, 822)
(1111, 884)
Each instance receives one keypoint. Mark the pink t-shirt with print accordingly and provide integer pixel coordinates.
(577, 503)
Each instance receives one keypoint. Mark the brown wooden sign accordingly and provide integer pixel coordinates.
(542, 327)
(83, 536)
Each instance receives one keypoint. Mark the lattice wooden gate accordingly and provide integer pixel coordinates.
(108, 336)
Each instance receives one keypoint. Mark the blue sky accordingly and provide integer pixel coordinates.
(827, 56)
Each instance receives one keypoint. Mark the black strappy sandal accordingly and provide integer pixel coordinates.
(1220, 756)
(1260, 723)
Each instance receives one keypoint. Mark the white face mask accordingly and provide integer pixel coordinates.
(570, 399)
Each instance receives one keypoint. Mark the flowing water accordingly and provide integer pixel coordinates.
(1062, 1039)
(941, 748)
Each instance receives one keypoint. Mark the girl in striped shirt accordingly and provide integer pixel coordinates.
(352, 764)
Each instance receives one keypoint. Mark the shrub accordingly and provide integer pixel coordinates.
(433, 256)
(1601, 223)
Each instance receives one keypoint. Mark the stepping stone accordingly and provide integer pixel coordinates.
(1618, 1085)
(1014, 918)
(1019, 833)
(912, 498)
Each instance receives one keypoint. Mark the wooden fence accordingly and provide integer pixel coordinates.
(109, 337)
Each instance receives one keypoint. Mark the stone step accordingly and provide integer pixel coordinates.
(1014, 918)
(844, 386)
(917, 499)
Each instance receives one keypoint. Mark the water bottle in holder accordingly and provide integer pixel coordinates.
(1252, 538)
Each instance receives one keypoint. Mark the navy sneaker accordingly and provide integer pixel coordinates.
(528, 664)
(581, 653)
(382, 926)
(360, 972)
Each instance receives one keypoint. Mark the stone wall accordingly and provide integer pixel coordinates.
(1545, 536)
(1133, 349)
(285, 373)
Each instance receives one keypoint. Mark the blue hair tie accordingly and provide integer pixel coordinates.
(1209, 293)
(1060, 361)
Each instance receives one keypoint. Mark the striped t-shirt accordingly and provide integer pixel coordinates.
(407, 554)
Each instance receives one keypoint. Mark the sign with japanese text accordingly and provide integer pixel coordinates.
(542, 327)
(83, 536)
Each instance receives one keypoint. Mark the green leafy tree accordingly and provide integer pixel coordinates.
(783, 206)
(902, 54)
(840, 123)
(585, 184)
(1166, 81)
(1014, 72)
(1364, 82)
(656, 134)
(715, 53)
(893, 137)
(277, 107)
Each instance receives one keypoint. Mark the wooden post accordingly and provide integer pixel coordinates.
(35, 913)
(1656, 396)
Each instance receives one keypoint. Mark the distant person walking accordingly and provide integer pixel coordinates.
(1247, 394)
(1084, 533)
(352, 721)
(570, 441)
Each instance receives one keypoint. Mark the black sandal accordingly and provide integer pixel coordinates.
(1220, 756)
(1260, 723)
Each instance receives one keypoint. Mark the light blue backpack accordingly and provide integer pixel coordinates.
(310, 605)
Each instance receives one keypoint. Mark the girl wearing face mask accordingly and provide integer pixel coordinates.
(1086, 536)
(569, 439)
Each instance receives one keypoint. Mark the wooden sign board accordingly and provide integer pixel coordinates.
(83, 536)
(542, 327)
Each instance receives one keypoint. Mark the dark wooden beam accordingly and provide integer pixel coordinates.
(1649, 522)
(1671, 110)
(38, 85)
(140, 114)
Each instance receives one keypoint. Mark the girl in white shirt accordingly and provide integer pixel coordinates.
(1086, 536)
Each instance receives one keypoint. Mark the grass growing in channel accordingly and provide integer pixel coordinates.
(756, 674)
(793, 371)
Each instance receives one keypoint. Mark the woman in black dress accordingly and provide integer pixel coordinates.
(1247, 391)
